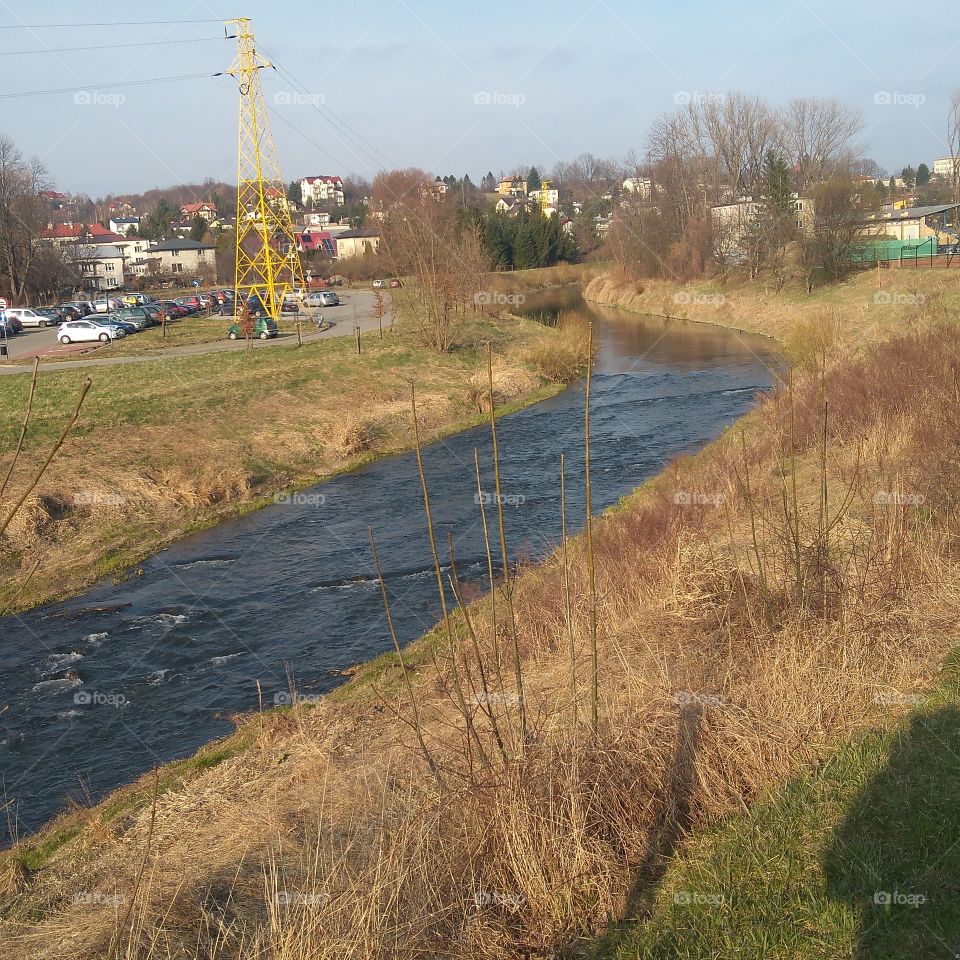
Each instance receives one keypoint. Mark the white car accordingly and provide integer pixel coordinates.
(323, 298)
(28, 317)
(86, 331)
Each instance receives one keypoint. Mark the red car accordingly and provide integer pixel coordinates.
(194, 303)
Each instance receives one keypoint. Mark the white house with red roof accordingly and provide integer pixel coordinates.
(317, 191)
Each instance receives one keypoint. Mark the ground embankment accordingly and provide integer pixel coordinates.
(525, 774)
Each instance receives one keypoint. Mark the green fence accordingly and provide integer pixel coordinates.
(892, 249)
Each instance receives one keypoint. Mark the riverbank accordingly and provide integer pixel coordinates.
(756, 604)
(172, 446)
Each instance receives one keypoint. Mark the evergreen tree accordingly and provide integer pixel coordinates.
(198, 229)
(923, 175)
(488, 184)
(777, 190)
(533, 180)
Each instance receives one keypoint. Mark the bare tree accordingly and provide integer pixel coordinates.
(23, 215)
(953, 140)
(425, 239)
(817, 137)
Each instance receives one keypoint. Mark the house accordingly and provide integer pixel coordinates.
(945, 167)
(356, 243)
(731, 221)
(436, 190)
(182, 256)
(56, 200)
(566, 224)
(317, 219)
(547, 196)
(512, 205)
(320, 191)
(204, 209)
(121, 225)
(917, 223)
(134, 251)
(62, 233)
(512, 187)
(99, 265)
(316, 241)
(639, 187)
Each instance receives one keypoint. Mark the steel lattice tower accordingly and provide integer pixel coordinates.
(268, 263)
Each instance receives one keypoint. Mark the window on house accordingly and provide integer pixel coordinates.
(177, 267)
(174, 253)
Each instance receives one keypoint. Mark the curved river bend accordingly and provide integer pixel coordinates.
(95, 697)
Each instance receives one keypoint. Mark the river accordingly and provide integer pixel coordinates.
(103, 687)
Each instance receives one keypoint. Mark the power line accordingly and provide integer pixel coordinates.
(107, 86)
(115, 23)
(339, 125)
(313, 143)
(109, 46)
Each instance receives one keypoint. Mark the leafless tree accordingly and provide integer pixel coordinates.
(817, 137)
(23, 215)
(953, 140)
(424, 239)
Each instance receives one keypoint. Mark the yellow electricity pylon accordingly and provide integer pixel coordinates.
(545, 187)
(268, 264)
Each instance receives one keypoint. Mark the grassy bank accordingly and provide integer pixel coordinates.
(176, 444)
(759, 608)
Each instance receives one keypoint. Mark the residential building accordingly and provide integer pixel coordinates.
(321, 191)
(512, 187)
(732, 220)
(546, 196)
(437, 190)
(121, 225)
(317, 241)
(204, 209)
(62, 233)
(319, 218)
(640, 187)
(99, 265)
(189, 257)
(945, 167)
(356, 243)
(512, 205)
(134, 252)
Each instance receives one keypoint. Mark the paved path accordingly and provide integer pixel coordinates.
(354, 303)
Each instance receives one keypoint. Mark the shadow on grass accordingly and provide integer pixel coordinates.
(895, 859)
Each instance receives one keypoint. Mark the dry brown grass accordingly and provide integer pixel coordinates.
(743, 633)
(165, 447)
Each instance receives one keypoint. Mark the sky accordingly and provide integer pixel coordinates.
(451, 88)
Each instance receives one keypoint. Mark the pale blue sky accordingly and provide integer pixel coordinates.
(562, 78)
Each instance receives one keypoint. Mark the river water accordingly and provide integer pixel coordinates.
(101, 688)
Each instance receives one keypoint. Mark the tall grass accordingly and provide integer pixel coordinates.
(750, 603)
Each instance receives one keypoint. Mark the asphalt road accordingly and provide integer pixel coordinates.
(356, 308)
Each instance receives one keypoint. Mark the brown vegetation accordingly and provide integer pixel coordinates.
(754, 602)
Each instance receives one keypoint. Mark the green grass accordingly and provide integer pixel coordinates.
(808, 872)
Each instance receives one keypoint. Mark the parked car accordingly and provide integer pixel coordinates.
(379, 284)
(71, 311)
(193, 302)
(87, 331)
(108, 304)
(290, 304)
(25, 317)
(114, 319)
(156, 313)
(54, 315)
(84, 306)
(323, 298)
(135, 315)
(263, 328)
(173, 310)
(395, 283)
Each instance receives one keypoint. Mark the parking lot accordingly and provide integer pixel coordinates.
(355, 310)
